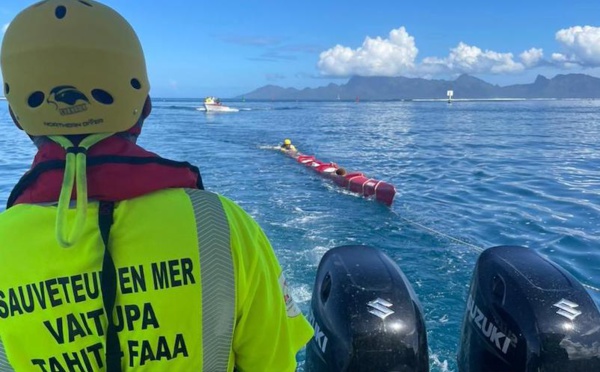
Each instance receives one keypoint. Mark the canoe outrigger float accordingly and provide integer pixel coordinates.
(354, 181)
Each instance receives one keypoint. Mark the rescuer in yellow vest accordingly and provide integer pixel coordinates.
(99, 226)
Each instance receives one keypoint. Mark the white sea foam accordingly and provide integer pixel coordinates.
(437, 365)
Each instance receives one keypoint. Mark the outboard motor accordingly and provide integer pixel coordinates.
(365, 314)
(524, 314)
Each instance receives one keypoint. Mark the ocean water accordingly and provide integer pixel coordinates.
(470, 175)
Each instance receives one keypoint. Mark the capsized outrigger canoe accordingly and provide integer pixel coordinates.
(355, 182)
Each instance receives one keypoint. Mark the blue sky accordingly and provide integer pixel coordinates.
(197, 48)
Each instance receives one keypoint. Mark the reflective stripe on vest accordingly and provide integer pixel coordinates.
(217, 278)
(4, 365)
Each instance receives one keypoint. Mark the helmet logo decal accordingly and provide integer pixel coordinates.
(68, 100)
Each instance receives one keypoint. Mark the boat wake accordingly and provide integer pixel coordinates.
(230, 110)
(268, 147)
(174, 107)
(442, 366)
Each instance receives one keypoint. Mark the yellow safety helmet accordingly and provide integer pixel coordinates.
(73, 67)
(287, 142)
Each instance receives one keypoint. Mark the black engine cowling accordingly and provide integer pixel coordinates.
(526, 313)
(365, 314)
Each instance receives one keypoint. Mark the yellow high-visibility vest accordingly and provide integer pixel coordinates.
(198, 288)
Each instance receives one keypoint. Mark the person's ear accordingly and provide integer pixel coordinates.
(147, 108)
(14, 118)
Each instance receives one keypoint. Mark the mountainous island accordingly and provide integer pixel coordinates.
(464, 87)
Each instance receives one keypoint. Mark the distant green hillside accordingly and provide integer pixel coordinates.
(464, 87)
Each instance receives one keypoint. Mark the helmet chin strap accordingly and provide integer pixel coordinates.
(75, 173)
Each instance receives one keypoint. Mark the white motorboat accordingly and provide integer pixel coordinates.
(212, 104)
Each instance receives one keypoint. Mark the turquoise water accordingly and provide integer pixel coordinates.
(470, 175)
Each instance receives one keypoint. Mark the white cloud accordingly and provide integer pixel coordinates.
(5, 27)
(531, 57)
(471, 59)
(397, 55)
(376, 57)
(582, 45)
(559, 57)
(564, 61)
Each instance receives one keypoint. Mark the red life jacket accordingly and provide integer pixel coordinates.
(117, 169)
